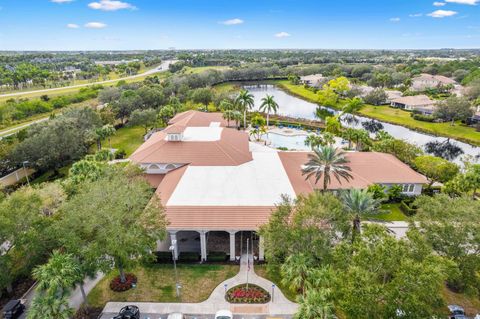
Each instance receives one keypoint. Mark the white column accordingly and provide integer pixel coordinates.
(203, 245)
(261, 249)
(174, 242)
(232, 245)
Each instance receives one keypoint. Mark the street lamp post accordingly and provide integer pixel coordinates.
(25, 171)
(177, 285)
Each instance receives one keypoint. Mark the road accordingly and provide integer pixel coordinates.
(162, 67)
(10, 131)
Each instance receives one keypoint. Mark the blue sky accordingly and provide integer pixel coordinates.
(201, 24)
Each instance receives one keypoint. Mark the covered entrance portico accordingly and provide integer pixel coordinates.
(231, 242)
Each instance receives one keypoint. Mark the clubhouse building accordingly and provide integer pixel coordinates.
(218, 188)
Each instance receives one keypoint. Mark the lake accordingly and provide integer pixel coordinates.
(292, 106)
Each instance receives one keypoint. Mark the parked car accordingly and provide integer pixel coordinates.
(128, 312)
(223, 314)
(456, 312)
(176, 315)
(13, 309)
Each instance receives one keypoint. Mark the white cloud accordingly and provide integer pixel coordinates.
(439, 4)
(396, 19)
(415, 15)
(95, 25)
(282, 34)
(110, 5)
(469, 2)
(60, 1)
(73, 26)
(442, 13)
(232, 21)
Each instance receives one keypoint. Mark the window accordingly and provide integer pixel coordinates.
(408, 188)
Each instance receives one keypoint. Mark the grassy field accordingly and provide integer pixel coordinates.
(200, 69)
(396, 116)
(126, 138)
(156, 283)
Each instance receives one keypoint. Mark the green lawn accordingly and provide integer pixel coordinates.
(126, 138)
(156, 283)
(395, 116)
(276, 278)
(392, 213)
(200, 69)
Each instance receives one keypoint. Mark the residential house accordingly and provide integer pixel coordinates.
(218, 188)
(427, 81)
(314, 80)
(420, 103)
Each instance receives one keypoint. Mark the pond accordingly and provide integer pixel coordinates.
(295, 107)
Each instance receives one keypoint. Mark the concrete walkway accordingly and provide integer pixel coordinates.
(279, 305)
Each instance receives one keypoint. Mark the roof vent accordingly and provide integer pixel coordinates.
(174, 137)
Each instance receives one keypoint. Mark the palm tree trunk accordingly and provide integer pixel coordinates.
(99, 144)
(245, 119)
(268, 118)
(356, 227)
(123, 279)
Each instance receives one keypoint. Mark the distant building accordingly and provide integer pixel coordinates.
(421, 103)
(363, 90)
(315, 80)
(392, 95)
(427, 81)
(476, 115)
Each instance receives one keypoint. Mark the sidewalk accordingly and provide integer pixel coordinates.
(280, 305)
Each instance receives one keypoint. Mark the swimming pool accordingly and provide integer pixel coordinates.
(295, 142)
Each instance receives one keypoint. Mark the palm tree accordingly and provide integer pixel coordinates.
(295, 271)
(316, 304)
(268, 105)
(46, 306)
(325, 161)
(351, 107)
(228, 115)
(244, 101)
(359, 202)
(59, 274)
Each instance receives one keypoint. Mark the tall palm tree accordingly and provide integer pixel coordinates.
(351, 107)
(244, 101)
(228, 115)
(359, 202)
(268, 105)
(316, 304)
(59, 274)
(295, 271)
(326, 161)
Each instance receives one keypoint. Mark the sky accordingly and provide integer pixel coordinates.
(238, 24)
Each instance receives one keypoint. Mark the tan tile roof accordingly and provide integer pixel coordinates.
(440, 78)
(217, 217)
(415, 100)
(232, 149)
(367, 168)
(198, 119)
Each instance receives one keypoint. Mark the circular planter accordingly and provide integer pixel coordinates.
(253, 295)
(118, 286)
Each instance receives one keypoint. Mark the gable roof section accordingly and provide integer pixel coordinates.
(414, 100)
(197, 119)
(367, 168)
(231, 150)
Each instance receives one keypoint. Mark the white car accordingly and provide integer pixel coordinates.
(176, 315)
(224, 314)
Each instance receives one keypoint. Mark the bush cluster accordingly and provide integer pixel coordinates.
(253, 295)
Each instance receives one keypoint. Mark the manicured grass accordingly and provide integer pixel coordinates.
(50, 175)
(226, 88)
(126, 138)
(392, 213)
(156, 283)
(395, 116)
(276, 278)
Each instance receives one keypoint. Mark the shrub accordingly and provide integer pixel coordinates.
(217, 256)
(163, 256)
(189, 257)
(120, 154)
(423, 118)
(407, 209)
(254, 294)
(118, 286)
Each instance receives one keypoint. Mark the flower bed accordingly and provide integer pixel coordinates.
(253, 295)
(118, 286)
